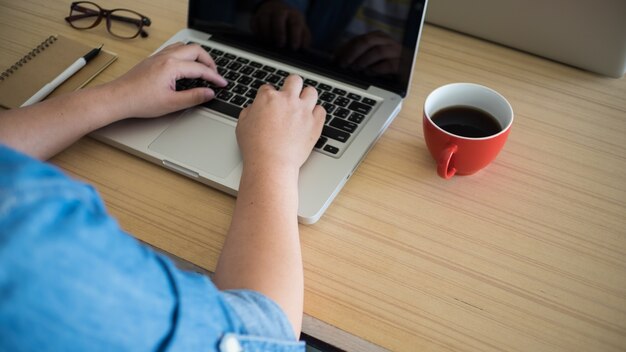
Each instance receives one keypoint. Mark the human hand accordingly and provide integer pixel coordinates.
(374, 52)
(280, 128)
(280, 24)
(149, 88)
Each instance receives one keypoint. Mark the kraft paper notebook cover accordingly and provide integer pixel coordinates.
(42, 64)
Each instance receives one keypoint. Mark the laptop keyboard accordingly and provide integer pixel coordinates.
(346, 111)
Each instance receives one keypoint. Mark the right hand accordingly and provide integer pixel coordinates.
(280, 128)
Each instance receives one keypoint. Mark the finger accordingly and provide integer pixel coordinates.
(244, 112)
(191, 69)
(279, 28)
(309, 95)
(263, 90)
(193, 52)
(319, 114)
(293, 85)
(173, 45)
(191, 97)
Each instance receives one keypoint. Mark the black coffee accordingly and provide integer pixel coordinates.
(466, 121)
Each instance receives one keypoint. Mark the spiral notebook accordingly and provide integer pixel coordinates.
(43, 63)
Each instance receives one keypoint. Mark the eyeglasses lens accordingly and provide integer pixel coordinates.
(125, 24)
(84, 15)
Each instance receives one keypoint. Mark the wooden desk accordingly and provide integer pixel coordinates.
(527, 255)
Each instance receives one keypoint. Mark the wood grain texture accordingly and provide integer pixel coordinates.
(527, 255)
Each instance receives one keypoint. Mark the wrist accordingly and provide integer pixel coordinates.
(115, 100)
(283, 178)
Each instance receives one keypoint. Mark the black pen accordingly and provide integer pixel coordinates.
(64, 76)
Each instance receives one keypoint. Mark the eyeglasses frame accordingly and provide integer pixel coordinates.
(109, 15)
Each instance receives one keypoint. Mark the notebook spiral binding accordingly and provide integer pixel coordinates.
(26, 58)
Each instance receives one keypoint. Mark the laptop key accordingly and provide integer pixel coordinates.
(323, 86)
(259, 74)
(256, 64)
(239, 89)
(344, 125)
(360, 107)
(251, 93)
(223, 107)
(257, 84)
(356, 117)
(369, 101)
(232, 75)
(327, 97)
(268, 68)
(320, 142)
(342, 112)
(274, 79)
(339, 91)
(234, 65)
(244, 80)
(354, 96)
(184, 83)
(282, 73)
(341, 101)
(335, 134)
(246, 70)
(328, 107)
(222, 62)
(224, 95)
(331, 149)
(238, 100)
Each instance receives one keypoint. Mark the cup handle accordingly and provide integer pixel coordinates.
(444, 167)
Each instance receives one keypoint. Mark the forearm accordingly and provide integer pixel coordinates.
(262, 249)
(44, 129)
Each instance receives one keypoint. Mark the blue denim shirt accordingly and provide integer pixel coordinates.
(71, 280)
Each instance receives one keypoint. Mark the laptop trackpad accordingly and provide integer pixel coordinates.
(202, 142)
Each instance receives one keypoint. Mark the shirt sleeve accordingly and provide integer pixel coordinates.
(71, 279)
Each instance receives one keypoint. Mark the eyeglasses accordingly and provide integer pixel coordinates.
(122, 23)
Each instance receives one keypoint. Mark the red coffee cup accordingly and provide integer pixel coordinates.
(465, 127)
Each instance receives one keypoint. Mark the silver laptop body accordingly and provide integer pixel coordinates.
(586, 34)
(200, 142)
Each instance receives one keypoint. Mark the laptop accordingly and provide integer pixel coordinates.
(361, 86)
(586, 34)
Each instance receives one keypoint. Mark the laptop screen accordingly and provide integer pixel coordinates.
(362, 42)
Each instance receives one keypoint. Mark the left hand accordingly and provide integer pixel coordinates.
(149, 88)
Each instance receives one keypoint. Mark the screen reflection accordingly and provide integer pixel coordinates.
(369, 41)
